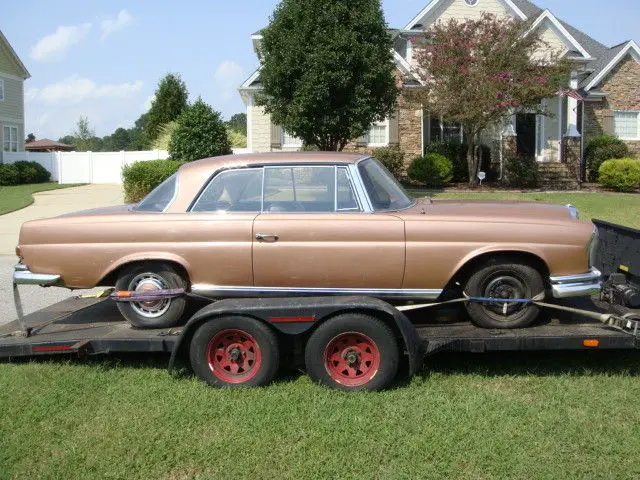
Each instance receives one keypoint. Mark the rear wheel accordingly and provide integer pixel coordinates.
(504, 279)
(235, 352)
(161, 313)
(353, 352)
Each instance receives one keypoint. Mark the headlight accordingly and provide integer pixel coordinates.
(573, 211)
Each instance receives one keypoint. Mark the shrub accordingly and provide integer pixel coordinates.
(600, 149)
(433, 170)
(237, 138)
(622, 175)
(457, 153)
(199, 133)
(9, 175)
(391, 157)
(522, 172)
(32, 172)
(142, 177)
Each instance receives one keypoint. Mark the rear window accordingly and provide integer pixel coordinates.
(161, 197)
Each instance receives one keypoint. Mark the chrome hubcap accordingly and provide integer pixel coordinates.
(505, 287)
(148, 282)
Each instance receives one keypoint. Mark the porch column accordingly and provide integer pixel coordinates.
(572, 109)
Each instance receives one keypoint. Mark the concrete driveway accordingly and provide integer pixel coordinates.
(47, 204)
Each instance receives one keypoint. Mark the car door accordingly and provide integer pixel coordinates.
(219, 226)
(313, 233)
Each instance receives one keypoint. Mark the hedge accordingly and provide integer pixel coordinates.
(433, 170)
(21, 173)
(522, 172)
(602, 148)
(622, 175)
(391, 157)
(142, 177)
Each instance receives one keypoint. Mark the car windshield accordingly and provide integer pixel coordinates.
(384, 191)
(160, 198)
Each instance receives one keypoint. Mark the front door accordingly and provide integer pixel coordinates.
(526, 130)
(313, 234)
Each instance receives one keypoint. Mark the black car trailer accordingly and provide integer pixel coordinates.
(344, 342)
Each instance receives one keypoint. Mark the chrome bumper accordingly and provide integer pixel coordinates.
(22, 276)
(586, 284)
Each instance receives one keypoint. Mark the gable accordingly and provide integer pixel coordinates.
(553, 42)
(444, 10)
(9, 62)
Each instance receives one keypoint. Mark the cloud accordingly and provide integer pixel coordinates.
(148, 102)
(54, 46)
(110, 25)
(227, 78)
(75, 89)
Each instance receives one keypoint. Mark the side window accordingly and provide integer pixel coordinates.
(346, 199)
(299, 189)
(232, 191)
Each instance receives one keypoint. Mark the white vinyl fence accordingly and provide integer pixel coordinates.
(88, 167)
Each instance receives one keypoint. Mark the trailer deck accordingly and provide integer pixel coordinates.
(94, 326)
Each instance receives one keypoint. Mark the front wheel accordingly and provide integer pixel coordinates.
(500, 280)
(149, 277)
(353, 352)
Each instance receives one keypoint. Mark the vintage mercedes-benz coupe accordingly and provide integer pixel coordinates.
(312, 224)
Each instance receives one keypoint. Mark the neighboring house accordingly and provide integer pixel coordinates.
(13, 73)
(46, 145)
(607, 78)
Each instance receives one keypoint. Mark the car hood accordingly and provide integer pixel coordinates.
(488, 210)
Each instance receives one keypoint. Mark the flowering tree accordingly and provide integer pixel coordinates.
(478, 72)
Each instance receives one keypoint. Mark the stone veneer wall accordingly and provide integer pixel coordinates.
(623, 88)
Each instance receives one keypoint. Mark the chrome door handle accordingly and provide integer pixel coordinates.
(263, 237)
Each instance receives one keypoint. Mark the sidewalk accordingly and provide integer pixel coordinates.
(53, 203)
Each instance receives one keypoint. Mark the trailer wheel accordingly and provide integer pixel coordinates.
(353, 352)
(149, 277)
(235, 352)
(504, 279)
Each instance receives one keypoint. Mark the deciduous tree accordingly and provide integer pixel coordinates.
(327, 69)
(477, 72)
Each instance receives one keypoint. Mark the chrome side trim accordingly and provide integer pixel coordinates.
(22, 276)
(233, 292)
(585, 284)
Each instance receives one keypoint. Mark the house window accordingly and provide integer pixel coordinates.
(289, 141)
(442, 131)
(1, 89)
(378, 136)
(627, 125)
(10, 139)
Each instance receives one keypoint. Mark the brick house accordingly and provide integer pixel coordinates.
(604, 87)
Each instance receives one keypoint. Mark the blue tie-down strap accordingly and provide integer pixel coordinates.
(500, 300)
(146, 296)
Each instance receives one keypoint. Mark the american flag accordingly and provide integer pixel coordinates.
(571, 93)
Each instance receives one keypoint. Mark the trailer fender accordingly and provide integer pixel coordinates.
(297, 316)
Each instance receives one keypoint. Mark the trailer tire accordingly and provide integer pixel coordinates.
(152, 276)
(353, 352)
(503, 278)
(235, 352)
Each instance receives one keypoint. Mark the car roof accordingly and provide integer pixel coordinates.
(274, 158)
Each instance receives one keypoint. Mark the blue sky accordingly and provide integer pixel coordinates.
(103, 59)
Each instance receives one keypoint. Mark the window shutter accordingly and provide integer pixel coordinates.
(361, 141)
(394, 128)
(276, 136)
(608, 124)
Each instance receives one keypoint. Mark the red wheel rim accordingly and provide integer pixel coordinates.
(234, 356)
(352, 359)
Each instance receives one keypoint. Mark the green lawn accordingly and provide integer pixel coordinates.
(20, 196)
(620, 208)
(536, 415)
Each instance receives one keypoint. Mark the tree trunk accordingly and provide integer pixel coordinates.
(472, 159)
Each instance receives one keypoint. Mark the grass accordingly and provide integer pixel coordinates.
(528, 415)
(20, 196)
(620, 208)
(545, 415)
